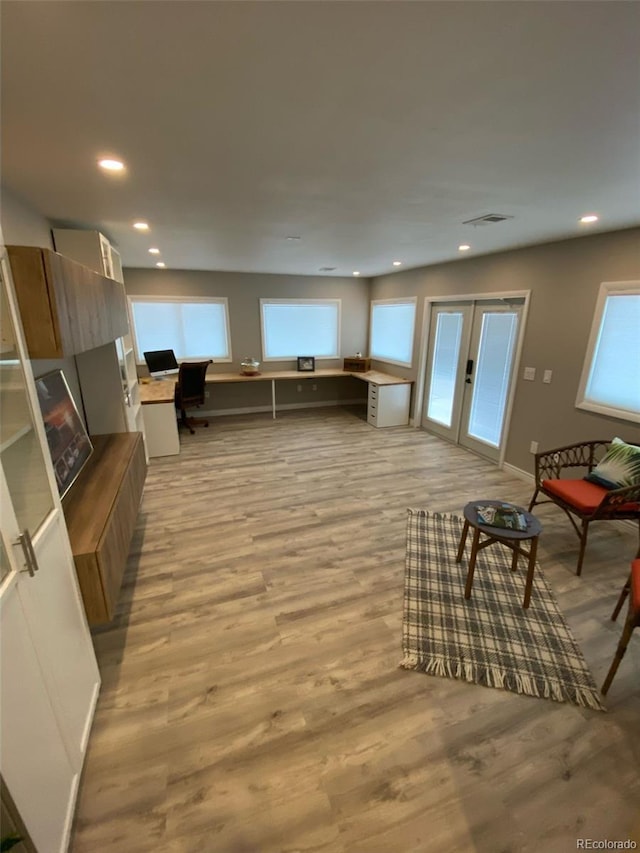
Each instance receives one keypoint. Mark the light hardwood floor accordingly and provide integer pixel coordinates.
(252, 699)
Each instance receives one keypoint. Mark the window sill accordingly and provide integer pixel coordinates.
(609, 411)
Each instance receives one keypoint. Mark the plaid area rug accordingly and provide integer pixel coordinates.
(489, 639)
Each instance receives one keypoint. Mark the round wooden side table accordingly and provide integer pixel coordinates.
(511, 538)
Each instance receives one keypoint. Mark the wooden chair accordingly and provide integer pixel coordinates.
(632, 586)
(578, 498)
(189, 391)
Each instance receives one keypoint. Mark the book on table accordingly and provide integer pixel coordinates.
(505, 516)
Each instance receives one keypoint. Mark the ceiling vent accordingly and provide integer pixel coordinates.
(487, 219)
(328, 269)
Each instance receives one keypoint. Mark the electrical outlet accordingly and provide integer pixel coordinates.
(546, 376)
(314, 387)
(533, 447)
(299, 387)
(206, 394)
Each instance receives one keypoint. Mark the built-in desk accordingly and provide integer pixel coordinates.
(387, 403)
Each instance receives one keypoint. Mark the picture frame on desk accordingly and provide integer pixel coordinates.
(69, 444)
(306, 363)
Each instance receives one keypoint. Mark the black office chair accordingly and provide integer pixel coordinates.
(189, 392)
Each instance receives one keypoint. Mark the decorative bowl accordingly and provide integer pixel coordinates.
(249, 367)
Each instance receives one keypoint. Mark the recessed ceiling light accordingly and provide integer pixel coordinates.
(356, 272)
(111, 165)
(590, 217)
(464, 247)
(292, 239)
(397, 263)
(161, 264)
(141, 226)
(154, 251)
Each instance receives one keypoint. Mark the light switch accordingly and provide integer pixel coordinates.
(529, 373)
(546, 377)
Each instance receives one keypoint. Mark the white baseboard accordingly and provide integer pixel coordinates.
(518, 472)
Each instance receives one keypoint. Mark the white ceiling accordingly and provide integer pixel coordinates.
(371, 130)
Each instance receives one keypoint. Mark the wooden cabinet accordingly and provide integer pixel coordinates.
(66, 308)
(101, 510)
(356, 364)
(94, 250)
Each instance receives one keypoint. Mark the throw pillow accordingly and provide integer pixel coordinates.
(619, 467)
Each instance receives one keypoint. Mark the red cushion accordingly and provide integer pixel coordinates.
(583, 495)
(635, 585)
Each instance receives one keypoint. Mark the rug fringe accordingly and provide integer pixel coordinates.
(494, 677)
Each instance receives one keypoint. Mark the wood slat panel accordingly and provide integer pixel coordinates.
(65, 307)
(114, 546)
(39, 317)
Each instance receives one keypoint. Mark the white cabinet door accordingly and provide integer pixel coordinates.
(49, 676)
(35, 764)
(58, 626)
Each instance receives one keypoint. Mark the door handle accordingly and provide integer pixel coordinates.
(468, 380)
(24, 540)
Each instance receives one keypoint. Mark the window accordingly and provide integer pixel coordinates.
(293, 327)
(610, 382)
(192, 327)
(392, 326)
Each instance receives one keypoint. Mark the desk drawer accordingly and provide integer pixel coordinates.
(372, 412)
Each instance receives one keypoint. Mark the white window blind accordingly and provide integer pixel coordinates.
(491, 385)
(192, 328)
(296, 327)
(446, 353)
(392, 326)
(611, 376)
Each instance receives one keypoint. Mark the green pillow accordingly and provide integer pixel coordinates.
(619, 467)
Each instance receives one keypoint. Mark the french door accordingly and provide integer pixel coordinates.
(470, 360)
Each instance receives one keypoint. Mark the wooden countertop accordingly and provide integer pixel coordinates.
(157, 391)
(161, 390)
(89, 500)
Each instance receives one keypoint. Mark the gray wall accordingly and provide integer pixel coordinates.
(244, 291)
(564, 279)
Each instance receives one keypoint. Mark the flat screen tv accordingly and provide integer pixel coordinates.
(69, 444)
(161, 362)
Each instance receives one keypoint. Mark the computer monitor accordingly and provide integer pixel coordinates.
(161, 362)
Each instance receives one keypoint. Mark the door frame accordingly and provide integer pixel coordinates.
(424, 349)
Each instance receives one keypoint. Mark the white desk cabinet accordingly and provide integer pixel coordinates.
(388, 405)
(161, 429)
